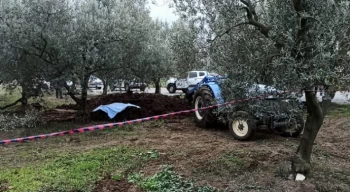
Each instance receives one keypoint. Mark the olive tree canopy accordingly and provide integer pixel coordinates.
(73, 39)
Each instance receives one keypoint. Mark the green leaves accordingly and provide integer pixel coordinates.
(288, 58)
(167, 180)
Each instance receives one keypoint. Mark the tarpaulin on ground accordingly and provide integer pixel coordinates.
(113, 109)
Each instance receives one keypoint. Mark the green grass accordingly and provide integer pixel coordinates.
(7, 97)
(337, 110)
(72, 171)
(167, 180)
(49, 100)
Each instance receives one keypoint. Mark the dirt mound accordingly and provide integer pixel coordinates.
(151, 104)
(110, 185)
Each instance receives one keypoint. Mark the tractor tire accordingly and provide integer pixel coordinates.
(242, 126)
(204, 98)
(171, 88)
(295, 130)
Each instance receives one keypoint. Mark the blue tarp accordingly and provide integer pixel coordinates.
(113, 109)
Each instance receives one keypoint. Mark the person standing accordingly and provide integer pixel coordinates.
(58, 89)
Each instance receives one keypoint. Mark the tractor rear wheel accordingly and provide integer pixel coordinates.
(242, 126)
(204, 97)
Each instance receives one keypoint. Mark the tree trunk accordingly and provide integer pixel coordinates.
(301, 163)
(84, 90)
(24, 99)
(70, 92)
(105, 86)
(157, 84)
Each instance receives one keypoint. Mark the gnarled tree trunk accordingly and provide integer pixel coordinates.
(316, 112)
(301, 160)
(70, 92)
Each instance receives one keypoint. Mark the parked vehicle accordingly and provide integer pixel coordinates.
(243, 120)
(128, 85)
(193, 77)
(95, 82)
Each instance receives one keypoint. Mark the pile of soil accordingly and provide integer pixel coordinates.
(150, 105)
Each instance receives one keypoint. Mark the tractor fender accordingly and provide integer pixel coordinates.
(215, 88)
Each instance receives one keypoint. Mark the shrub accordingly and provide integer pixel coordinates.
(31, 119)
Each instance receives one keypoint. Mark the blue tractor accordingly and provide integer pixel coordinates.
(280, 114)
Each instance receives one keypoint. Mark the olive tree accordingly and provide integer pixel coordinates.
(75, 39)
(294, 44)
(158, 57)
(18, 70)
(185, 47)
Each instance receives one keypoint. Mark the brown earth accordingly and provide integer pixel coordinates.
(110, 185)
(213, 157)
(151, 104)
(262, 164)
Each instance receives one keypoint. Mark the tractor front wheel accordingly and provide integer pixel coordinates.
(204, 97)
(242, 126)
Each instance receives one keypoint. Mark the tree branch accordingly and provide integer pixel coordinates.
(45, 45)
(226, 32)
(71, 93)
(105, 42)
(251, 9)
(297, 5)
(253, 18)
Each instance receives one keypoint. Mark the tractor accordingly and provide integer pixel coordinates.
(275, 110)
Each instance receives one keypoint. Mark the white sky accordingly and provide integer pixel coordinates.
(162, 11)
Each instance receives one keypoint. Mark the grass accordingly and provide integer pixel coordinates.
(49, 100)
(73, 171)
(69, 163)
(283, 170)
(7, 97)
(338, 110)
(167, 180)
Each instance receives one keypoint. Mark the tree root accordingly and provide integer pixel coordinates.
(299, 165)
(12, 104)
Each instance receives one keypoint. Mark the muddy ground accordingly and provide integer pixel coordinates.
(213, 157)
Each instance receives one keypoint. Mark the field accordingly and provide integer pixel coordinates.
(171, 155)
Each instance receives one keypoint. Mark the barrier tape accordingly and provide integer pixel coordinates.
(118, 124)
(325, 91)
